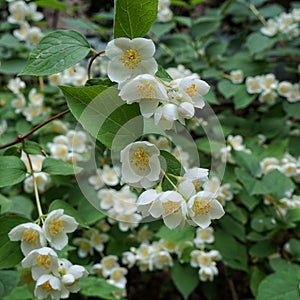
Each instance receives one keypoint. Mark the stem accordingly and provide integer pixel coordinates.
(276, 206)
(42, 87)
(91, 62)
(36, 192)
(170, 181)
(20, 138)
(258, 15)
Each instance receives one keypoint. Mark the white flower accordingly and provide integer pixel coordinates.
(204, 236)
(22, 32)
(42, 179)
(59, 151)
(172, 207)
(203, 207)
(146, 90)
(48, 285)
(33, 14)
(164, 15)
(96, 180)
(129, 58)
(18, 11)
(208, 273)
(253, 85)
(107, 198)
(236, 76)
(31, 236)
(55, 79)
(16, 85)
(110, 176)
(165, 115)
(160, 260)
(180, 72)
(35, 98)
(33, 36)
(284, 88)
(268, 82)
(128, 258)
(117, 277)
(140, 164)
(36, 162)
(56, 227)
(3, 126)
(18, 103)
(70, 275)
(294, 94)
(31, 111)
(145, 201)
(85, 247)
(98, 240)
(42, 261)
(109, 263)
(193, 89)
(236, 142)
(296, 14)
(77, 141)
(268, 97)
(270, 29)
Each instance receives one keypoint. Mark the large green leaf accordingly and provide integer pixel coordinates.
(56, 52)
(178, 236)
(256, 42)
(185, 279)
(10, 253)
(133, 18)
(12, 170)
(279, 286)
(105, 115)
(58, 167)
(8, 281)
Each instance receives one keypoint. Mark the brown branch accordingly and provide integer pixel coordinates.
(91, 62)
(20, 138)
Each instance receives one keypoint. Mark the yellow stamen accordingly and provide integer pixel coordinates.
(43, 261)
(201, 206)
(131, 58)
(30, 236)
(140, 159)
(192, 90)
(56, 227)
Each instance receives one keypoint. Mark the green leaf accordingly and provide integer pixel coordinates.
(234, 253)
(163, 74)
(12, 170)
(281, 265)
(68, 210)
(233, 227)
(133, 18)
(97, 287)
(51, 4)
(257, 42)
(228, 89)
(8, 281)
(247, 161)
(263, 249)
(12, 66)
(178, 236)
(160, 29)
(185, 278)
(256, 276)
(19, 205)
(58, 167)
(204, 26)
(19, 293)
(279, 286)
(103, 114)
(292, 109)
(56, 52)
(242, 99)
(293, 215)
(32, 148)
(10, 253)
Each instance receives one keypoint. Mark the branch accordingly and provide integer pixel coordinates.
(20, 138)
(91, 62)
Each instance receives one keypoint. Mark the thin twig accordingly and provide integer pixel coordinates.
(91, 62)
(20, 138)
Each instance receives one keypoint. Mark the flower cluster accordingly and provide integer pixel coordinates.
(21, 14)
(164, 13)
(234, 143)
(286, 23)
(133, 67)
(288, 165)
(110, 269)
(32, 107)
(53, 276)
(270, 88)
(69, 147)
(76, 76)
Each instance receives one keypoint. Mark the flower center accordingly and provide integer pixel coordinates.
(117, 275)
(47, 286)
(192, 90)
(205, 235)
(30, 236)
(170, 207)
(254, 85)
(201, 206)
(146, 91)
(140, 159)
(43, 261)
(56, 227)
(131, 58)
